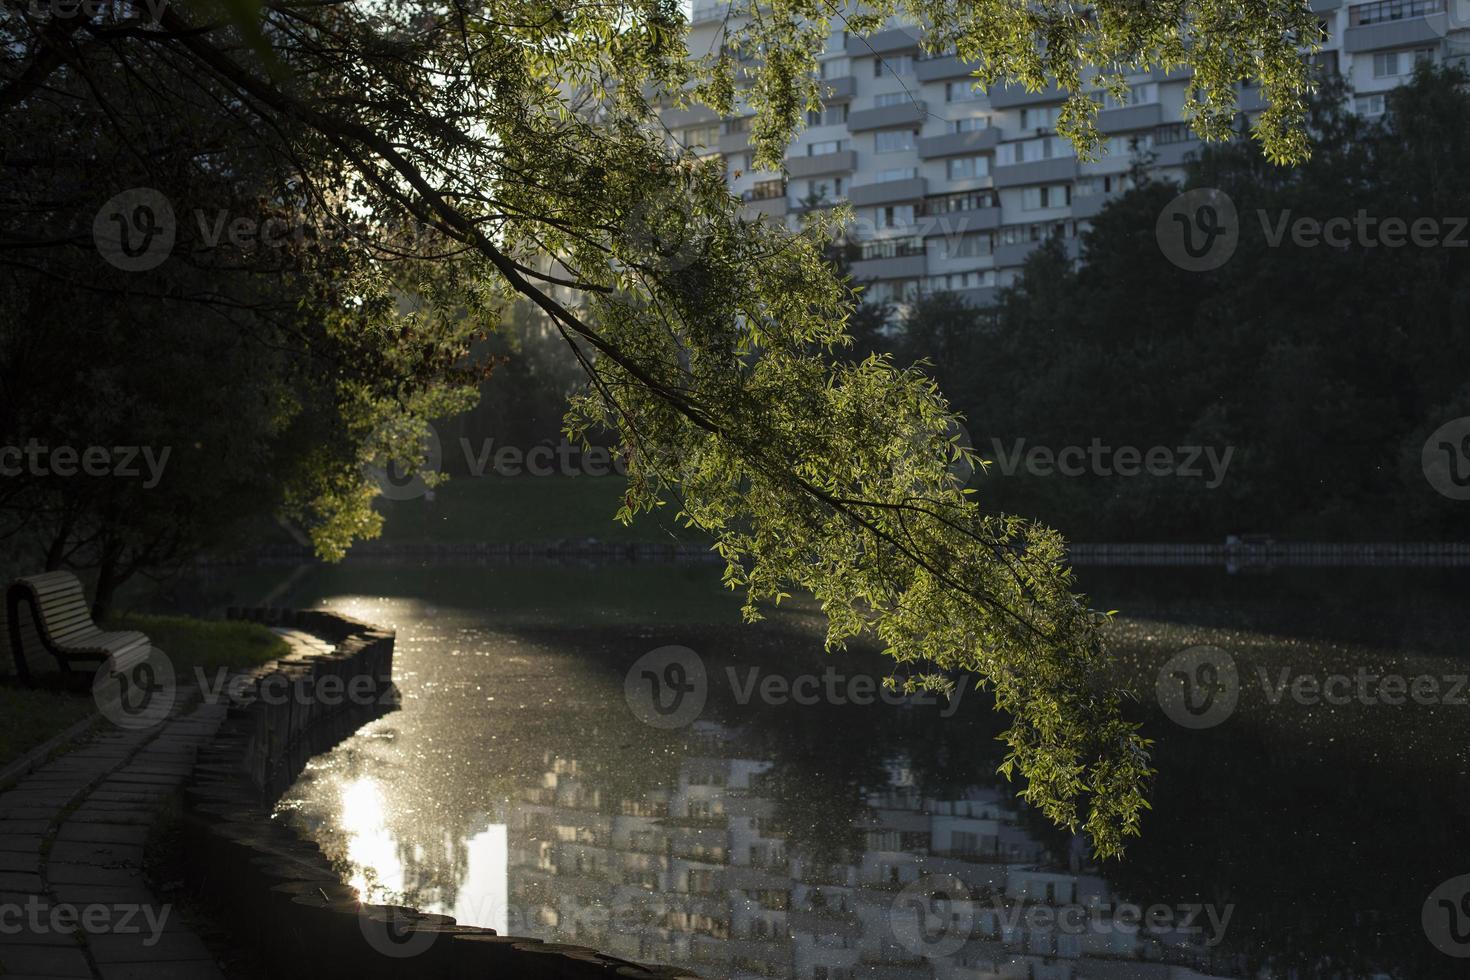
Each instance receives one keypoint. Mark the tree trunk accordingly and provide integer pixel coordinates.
(57, 552)
(107, 580)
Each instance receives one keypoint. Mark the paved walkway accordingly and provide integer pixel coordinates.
(73, 898)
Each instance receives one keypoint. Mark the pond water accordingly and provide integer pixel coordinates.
(608, 756)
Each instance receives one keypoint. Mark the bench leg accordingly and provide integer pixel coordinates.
(17, 651)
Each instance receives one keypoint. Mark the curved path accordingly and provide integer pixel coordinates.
(74, 901)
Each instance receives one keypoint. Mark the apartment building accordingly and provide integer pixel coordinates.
(953, 187)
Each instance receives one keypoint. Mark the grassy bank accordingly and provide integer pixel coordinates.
(190, 642)
(509, 510)
(30, 716)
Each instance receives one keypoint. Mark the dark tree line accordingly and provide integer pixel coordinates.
(1323, 369)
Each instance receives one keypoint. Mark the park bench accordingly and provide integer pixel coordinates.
(61, 622)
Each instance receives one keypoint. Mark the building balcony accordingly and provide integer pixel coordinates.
(959, 144)
(1176, 74)
(1325, 6)
(1056, 170)
(1129, 118)
(896, 267)
(943, 69)
(695, 115)
(1014, 96)
(842, 162)
(883, 42)
(888, 192)
(734, 142)
(910, 112)
(1394, 24)
(835, 90)
(774, 207)
(960, 222)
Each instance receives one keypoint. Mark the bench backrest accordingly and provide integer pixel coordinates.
(64, 612)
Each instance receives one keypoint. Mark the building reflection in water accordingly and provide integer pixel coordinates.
(380, 870)
(699, 874)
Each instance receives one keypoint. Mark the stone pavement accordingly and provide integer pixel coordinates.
(73, 898)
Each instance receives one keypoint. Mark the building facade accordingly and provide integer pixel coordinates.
(953, 187)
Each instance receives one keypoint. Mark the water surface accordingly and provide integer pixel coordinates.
(525, 785)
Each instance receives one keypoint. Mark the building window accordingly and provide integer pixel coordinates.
(1101, 184)
(894, 216)
(895, 291)
(892, 98)
(739, 125)
(972, 246)
(892, 248)
(1121, 146)
(834, 68)
(823, 147)
(898, 64)
(971, 125)
(1032, 150)
(765, 190)
(964, 168)
(1144, 93)
(705, 136)
(964, 201)
(1044, 117)
(1370, 105)
(961, 92)
(1388, 64)
(960, 280)
(832, 115)
(895, 140)
(897, 173)
(1172, 133)
(1047, 196)
(1038, 232)
(824, 191)
(1386, 10)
